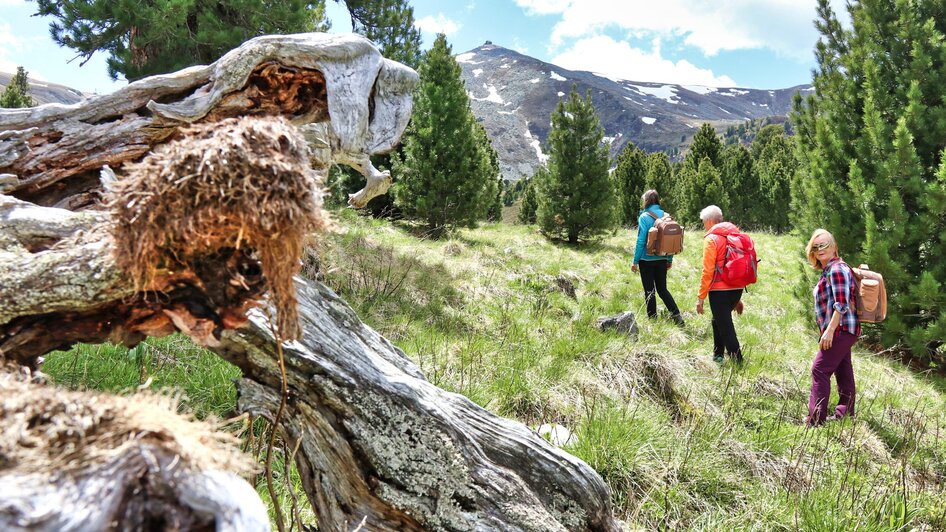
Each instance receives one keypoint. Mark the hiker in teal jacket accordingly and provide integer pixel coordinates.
(653, 268)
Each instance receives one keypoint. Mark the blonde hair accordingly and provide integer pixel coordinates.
(810, 251)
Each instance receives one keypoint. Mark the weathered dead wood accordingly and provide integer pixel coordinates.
(56, 151)
(380, 442)
(77, 462)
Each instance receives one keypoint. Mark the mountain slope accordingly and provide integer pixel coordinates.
(514, 96)
(44, 92)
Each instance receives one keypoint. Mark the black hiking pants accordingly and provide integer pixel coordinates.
(724, 331)
(654, 277)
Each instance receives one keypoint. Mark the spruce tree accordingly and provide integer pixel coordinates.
(146, 38)
(630, 182)
(871, 148)
(443, 173)
(576, 200)
(17, 93)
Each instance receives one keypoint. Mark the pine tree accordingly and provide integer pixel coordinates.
(740, 182)
(390, 24)
(703, 186)
(530, 204)
(706, 144)
(489, 166)
(775, 167)
(146, 38)
(660, 178)
(442, 171)
(576, 200)
(630, 182)
(17, 93)
(871, 148)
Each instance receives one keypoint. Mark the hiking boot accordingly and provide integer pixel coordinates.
(718, 359)
(678, 320)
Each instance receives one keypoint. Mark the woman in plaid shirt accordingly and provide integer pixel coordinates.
(836, 314)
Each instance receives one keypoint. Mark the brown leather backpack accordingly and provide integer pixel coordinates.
(871, 295)
(665, 237)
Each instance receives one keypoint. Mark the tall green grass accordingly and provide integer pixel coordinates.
(683, 442)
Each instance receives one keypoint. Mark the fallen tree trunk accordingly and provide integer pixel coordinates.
(378, 443)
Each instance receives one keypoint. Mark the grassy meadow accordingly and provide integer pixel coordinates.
(683, 442)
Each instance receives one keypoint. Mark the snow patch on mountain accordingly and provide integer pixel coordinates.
(700, 89)
(537, 146)
(493, 95)
(477, 72)
(554, 75)
(648, 120)
(664, 92)
(467, 58)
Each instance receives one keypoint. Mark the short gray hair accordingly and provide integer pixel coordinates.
(712, 212)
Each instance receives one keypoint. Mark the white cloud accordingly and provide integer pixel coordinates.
(783, 26)
(544, 7)
(438, 24)
(13, 48)
(12, 3)
(618, 60)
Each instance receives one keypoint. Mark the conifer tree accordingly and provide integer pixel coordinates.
(146, 38)
(630, 182)
(740, 182)
(576, 200)
(660, 178)
(706, 144)
(775, 167)
(702, 186)
(443, 173)
(489, 166)
(17, 93)
(390, 24)
(529, 205)
(871, 147)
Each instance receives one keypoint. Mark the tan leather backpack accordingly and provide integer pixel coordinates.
(665, 237)
(871, 295)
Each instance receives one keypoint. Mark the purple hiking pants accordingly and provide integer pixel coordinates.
(836, 361)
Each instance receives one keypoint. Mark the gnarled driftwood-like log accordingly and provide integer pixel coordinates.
(57, 151)
(378, 443)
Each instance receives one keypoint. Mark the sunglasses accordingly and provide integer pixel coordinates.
(821, 245)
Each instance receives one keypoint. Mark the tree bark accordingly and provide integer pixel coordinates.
(378, 443)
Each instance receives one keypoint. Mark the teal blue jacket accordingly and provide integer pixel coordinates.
(644, 223)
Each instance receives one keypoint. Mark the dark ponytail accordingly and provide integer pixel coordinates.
(650, 198)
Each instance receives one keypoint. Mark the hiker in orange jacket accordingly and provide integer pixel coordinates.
(723, 298)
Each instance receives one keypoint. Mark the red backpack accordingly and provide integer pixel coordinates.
(740, 263)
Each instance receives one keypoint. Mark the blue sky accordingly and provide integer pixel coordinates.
(762, 44)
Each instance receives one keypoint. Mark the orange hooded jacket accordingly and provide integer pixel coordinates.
(714, 251)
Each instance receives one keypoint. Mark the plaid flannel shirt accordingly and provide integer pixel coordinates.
(835, 290)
